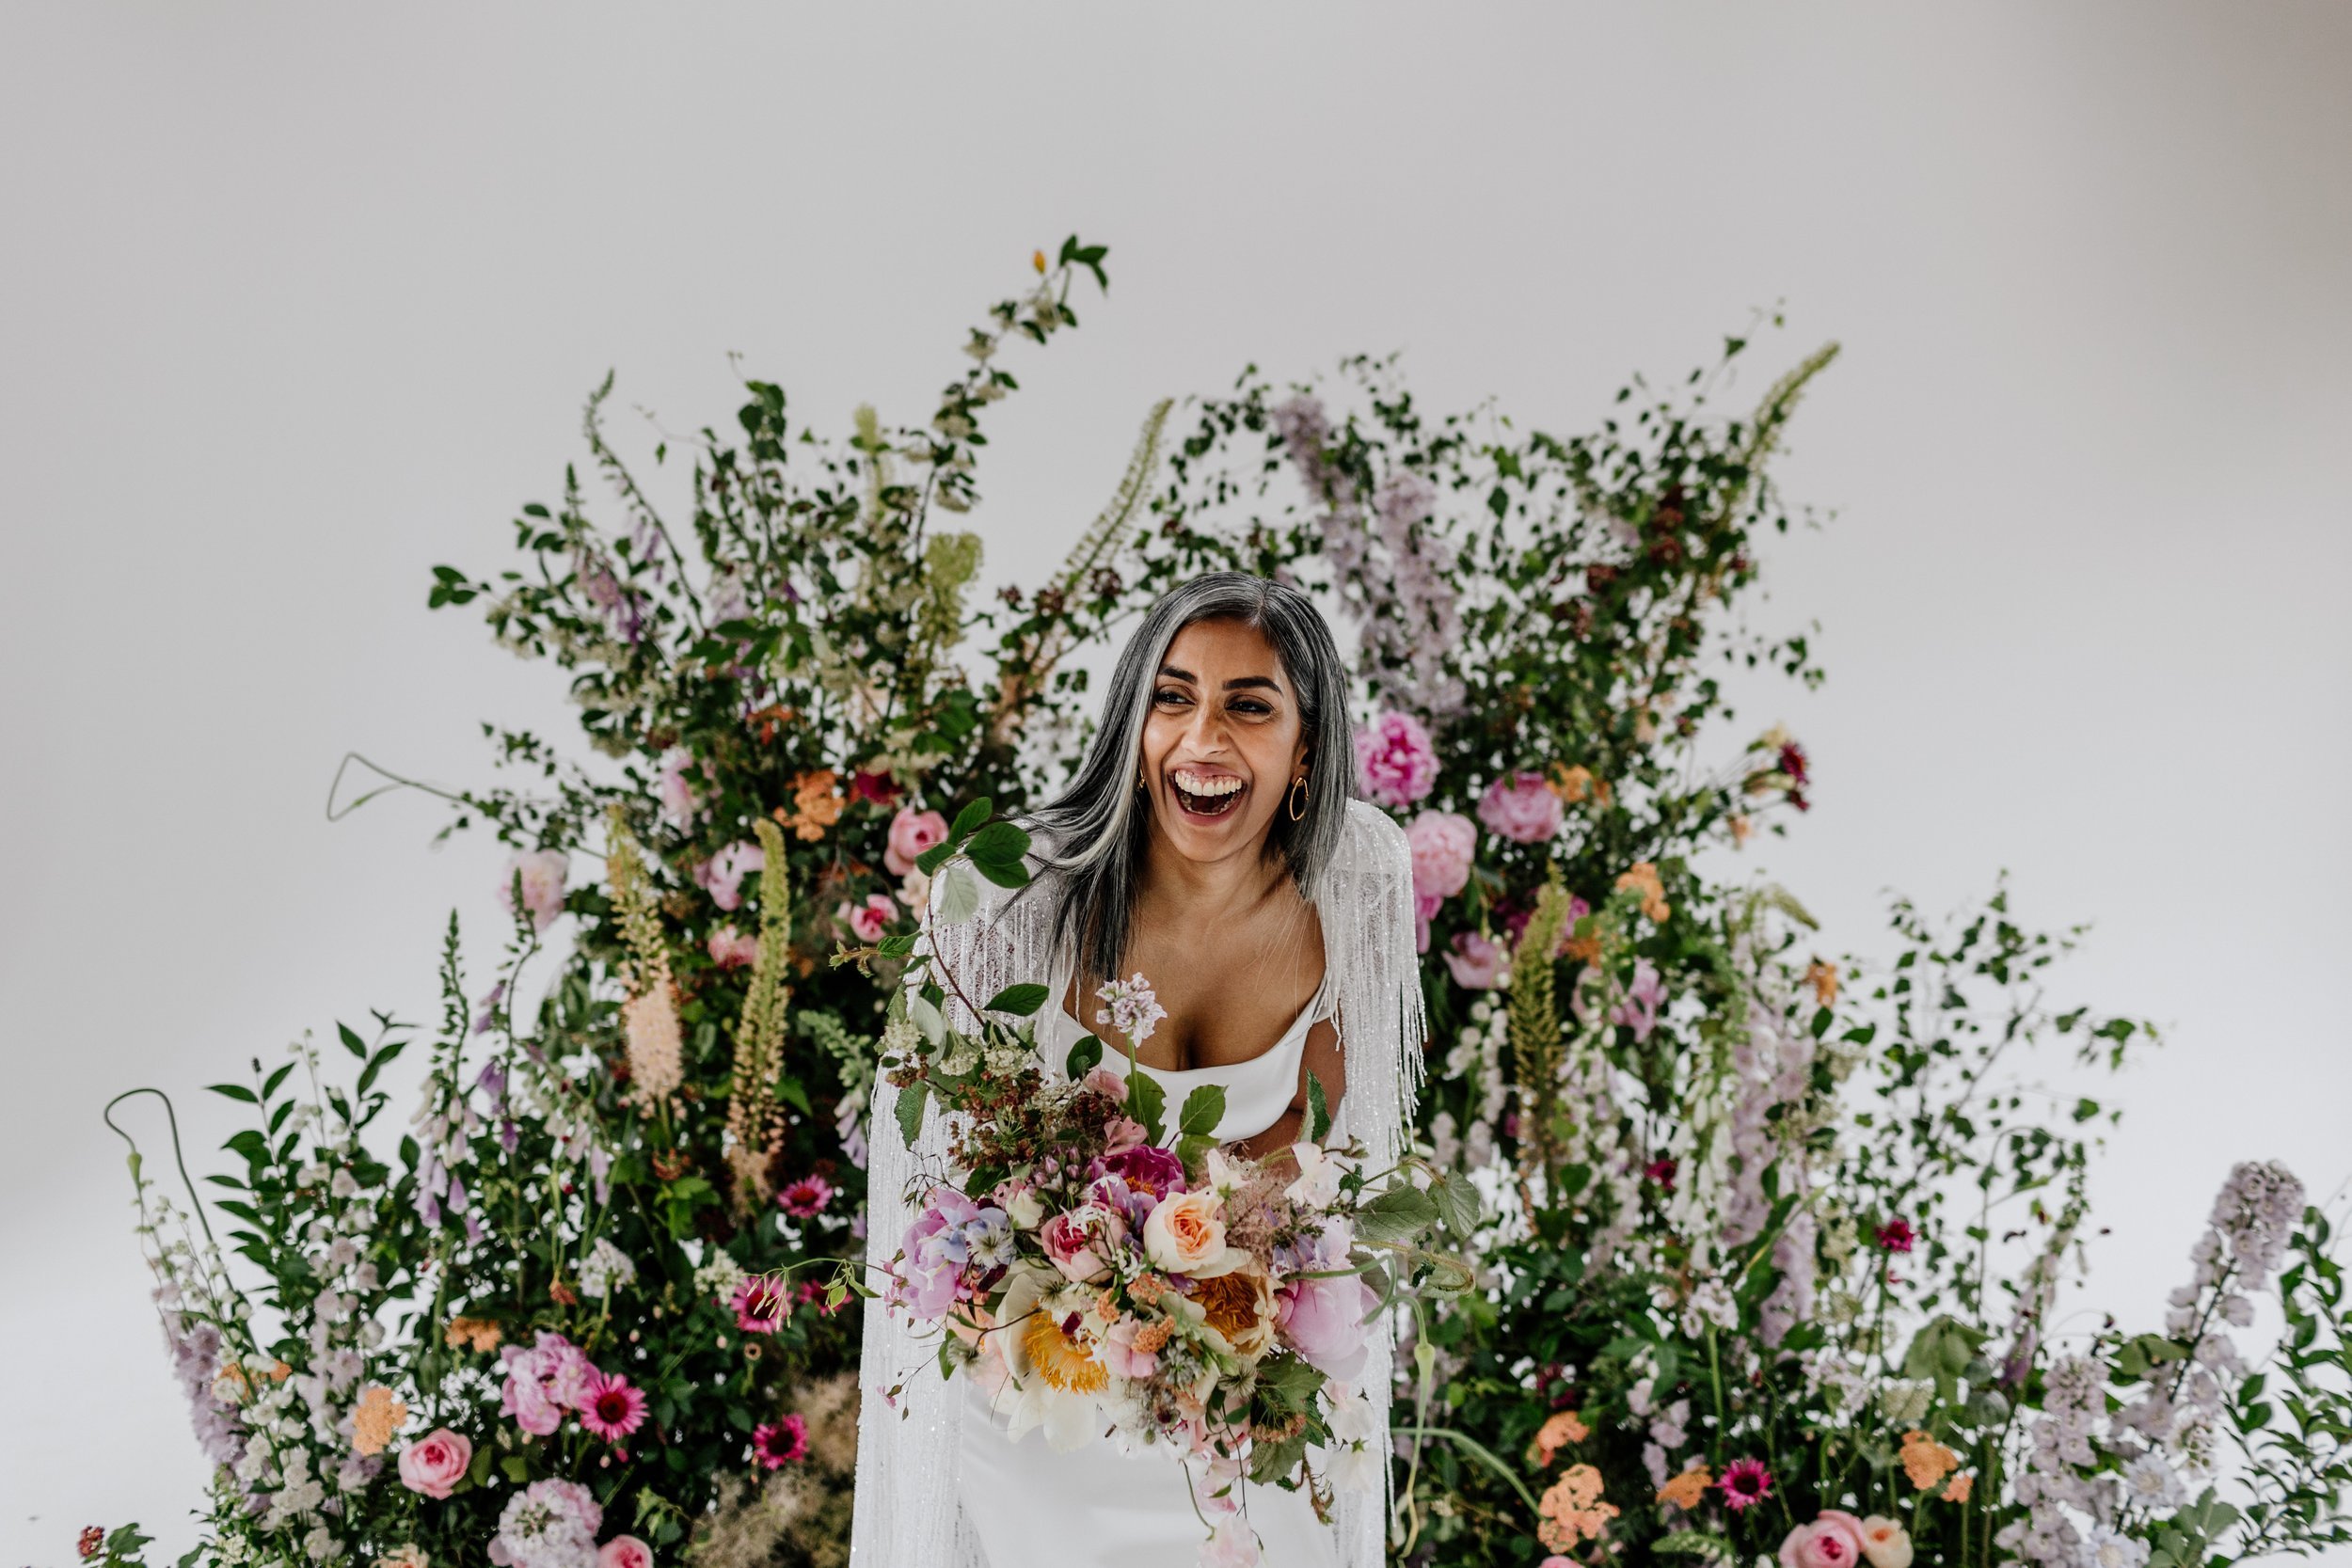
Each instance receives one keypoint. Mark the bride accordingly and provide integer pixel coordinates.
(1209, 842)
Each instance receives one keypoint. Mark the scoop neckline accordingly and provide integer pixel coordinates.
(1298, 1026)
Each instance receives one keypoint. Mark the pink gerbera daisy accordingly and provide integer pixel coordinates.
(613, 1407)
(805, 1198)
(759, 1306)
(1745, 1481)
(781, 1443)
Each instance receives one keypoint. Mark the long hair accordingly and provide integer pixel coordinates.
(1091, 836)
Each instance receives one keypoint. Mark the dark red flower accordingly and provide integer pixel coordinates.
(93, 1541)
(1896, 1236)
(880, 788)
(1661, 1172)
(1792, 762)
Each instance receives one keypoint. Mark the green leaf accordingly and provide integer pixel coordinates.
(926, 1018)
(352, 1042)
(377, 1065)
(234, 1091)
(1318, 1109)
(1204, 1107)
(1147, 1103)
(927, 863)
(1397, 1215)
(1013, 874)
(269, 1085)
(1690, 1543)
(1022, 1001)
(968, 820)
(1192, 1149)
(1457, 1204)
(956, 896)
(1083, 1058)
(999, 843)
(910, 1110)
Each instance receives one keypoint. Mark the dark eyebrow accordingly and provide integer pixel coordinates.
(1169, 672)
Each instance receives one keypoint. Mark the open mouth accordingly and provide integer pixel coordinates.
(1207, 795)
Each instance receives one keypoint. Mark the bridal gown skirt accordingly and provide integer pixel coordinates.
(1098, 1508)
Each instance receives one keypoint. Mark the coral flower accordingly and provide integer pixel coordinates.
(1959, 1488)
(614, 1408)
(377, 1416)
(1925, 1460)
(760, 1306)
(1745, 1483)
(781, 1443)
(1560, 1429)
(1687, 1489)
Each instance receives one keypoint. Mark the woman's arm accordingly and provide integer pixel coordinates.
(1322, 1058)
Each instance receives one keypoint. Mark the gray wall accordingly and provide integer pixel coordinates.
(296, 302)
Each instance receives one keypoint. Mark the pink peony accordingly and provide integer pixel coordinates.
(1118, 1351)
(436, 1463)
(910, 833)
(732, 949)
(1832, 1541)
(625, 1551)
(1324, 1319)
(869, 921)
(543, 1382)
(1519, 807)
(613, 1407)
(680, 801)
(1442, 843)
(1476, 961)
(1154, 1172)
(1395, 759)
(542, 872)
(723, 874)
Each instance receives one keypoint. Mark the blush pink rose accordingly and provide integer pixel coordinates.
(732, 949)
(1832, 1541)
(1071, 1249)
(910, 833)
(1442, 843)
(625, 1551)
(1476, 961)
(1517, 807)
(723, 874)
(869, 921)
(1398, 764)
(436, 1463)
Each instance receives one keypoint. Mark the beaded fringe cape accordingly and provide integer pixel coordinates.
(907, 1512)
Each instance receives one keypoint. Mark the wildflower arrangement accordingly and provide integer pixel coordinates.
(1759, 1247)
(1102, 1266)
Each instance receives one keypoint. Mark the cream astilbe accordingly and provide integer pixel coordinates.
(754, 1115)
(656, 1066)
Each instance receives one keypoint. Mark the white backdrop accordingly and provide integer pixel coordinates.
(295, 303)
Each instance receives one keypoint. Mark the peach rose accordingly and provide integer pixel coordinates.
(1185, 1234)
(436, 1463)
(1886, 1544)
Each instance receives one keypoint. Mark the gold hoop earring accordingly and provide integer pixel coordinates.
(1296, 800)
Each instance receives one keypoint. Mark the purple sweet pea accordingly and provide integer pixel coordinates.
(935, 1251)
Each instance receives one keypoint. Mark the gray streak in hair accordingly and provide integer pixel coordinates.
(1091, 836)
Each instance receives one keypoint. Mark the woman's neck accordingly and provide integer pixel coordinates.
(1172, 885)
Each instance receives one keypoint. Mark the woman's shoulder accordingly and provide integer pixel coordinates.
(1372, 842)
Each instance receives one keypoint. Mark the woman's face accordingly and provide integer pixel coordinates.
(1222, 741)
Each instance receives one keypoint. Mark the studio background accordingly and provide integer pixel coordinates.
(296, 304)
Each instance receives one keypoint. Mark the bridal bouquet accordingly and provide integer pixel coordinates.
(1103, 1268)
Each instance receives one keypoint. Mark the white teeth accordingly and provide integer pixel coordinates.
(1194, 784)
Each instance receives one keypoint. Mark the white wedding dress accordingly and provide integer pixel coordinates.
(939, 1485)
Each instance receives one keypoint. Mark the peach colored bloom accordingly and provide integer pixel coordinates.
(1185, 1234)
(1571, 785)
(816, 805)
(1741, 825)
(1686, 1489)
(1925, 1460)
(1573, 1510)
(1886, 1543)
(480, 1334)
(1644, 877)
(1559, 1430)
(1822, 977)
(408, 1555)
(377, 1416)
(1959, 1488)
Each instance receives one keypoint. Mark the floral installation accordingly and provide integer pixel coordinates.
(1762, 1248)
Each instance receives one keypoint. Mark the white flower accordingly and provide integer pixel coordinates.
(344, 1185)
(2112, 1548)
(2152, 1482)
(604, 1267)
(718, 1278)
(1318, 1184)
(1357, 1468)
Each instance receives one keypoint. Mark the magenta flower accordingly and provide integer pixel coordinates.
(1745, 1483)
(806, 1198)
(1896, 1236)
(759, 1305)
(1520, 807)
(1144, 1169)
(869, 921)
(1395, 759)
(614, 1408)
(777, 1444)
